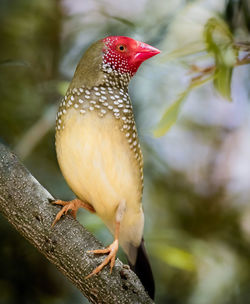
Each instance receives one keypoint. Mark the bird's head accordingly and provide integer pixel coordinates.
(118, 56)
(124, 55)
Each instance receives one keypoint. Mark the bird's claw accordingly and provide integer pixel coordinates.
(71, 206)
(112, 250)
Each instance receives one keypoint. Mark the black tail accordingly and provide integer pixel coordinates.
(143, 270)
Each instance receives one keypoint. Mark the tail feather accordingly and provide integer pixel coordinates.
(142, 268)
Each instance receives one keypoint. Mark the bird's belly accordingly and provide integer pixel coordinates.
(97, 162)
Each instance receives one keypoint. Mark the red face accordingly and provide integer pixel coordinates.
(125, 55)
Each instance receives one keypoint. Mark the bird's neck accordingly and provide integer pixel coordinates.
(115, 79)
(109, 96)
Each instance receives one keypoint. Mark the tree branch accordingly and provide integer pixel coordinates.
(26, 205)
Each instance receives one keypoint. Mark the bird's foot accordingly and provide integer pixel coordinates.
(71, 206)
(112, 251)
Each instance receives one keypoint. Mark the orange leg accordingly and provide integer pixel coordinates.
(73, 205)
(111, 250)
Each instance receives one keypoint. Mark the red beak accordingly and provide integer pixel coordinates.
(145, 51)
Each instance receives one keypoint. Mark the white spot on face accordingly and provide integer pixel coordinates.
(103, 111)
(82, 111)
(95, 88)
(76, 105)
(97, 94)
(81, 90)
(80, 101)
(112, 97)
(72, 98)
(91, 108)
(87, 92)
(87, 96)
(64, 111)
(116, 110)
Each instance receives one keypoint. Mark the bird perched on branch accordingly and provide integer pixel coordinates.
(98, 148)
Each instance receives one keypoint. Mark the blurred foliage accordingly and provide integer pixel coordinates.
(196, 197)
(220, 44)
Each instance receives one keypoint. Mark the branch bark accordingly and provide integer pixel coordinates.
(26, 205)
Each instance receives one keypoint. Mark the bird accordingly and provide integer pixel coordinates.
(98, 149)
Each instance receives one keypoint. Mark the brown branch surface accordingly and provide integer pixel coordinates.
(26, 205)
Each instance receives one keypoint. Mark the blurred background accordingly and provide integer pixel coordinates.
(197, 176)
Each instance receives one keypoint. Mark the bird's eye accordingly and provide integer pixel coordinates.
(121, 48)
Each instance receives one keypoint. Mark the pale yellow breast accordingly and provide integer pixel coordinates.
(98, 163)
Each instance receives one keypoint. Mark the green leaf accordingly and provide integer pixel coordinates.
(10, 62)
(170, 116)
(62, 87)
(176, 257)
(124, 21)
(220, 44)
(188, 49)
(222, 81)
